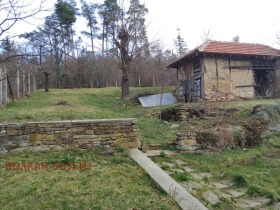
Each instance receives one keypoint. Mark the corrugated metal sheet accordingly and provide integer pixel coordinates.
(157, 100)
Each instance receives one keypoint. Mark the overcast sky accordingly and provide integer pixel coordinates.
(255, 21)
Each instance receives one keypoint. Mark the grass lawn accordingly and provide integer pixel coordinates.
(116, 182)
(261, 175)
(112, 182)
(91, 104)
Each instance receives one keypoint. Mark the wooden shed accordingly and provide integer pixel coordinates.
(227, 70)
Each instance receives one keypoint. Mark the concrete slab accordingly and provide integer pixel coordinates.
(155, 153)
(262, 200)
(211, 197)
(276, 206)
(170, 165)
(180, 162)
(235, 194)
(248, 204)
(226, 182)
(208, 175)
(178, 170)
(196, 176)
(188, 169)
(219, 185)
(184, 199)
(191, 185)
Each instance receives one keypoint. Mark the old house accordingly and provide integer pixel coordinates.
(228, 70)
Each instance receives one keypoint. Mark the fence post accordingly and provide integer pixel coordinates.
(1, 88)
(23, 83)
(34, 83)
(4, 89)
(28, 84)
(18, 85)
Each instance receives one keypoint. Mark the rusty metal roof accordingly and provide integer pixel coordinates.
(229, 48)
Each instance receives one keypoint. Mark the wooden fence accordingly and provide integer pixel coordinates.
(16, 86)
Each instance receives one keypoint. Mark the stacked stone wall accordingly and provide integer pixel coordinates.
(65, 135)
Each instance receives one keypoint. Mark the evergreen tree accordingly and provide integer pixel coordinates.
(66, 12)
(88, 12)
(235, 39)
(181, 45)
(136, 20)
(7, 45)
(110, 14)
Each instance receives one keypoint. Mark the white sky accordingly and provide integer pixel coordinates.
(255, 21)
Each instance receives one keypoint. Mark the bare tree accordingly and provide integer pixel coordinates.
(131, 41)
(207, 36)
(13, 11)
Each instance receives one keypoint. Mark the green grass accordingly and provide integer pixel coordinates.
(113, 182)
(258, 179)
(91, 104)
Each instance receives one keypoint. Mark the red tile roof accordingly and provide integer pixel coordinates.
(230, 48)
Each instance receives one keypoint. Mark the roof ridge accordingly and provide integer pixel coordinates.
(247, 43)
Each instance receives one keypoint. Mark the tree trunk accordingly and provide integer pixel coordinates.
(125, 86)
(103, 38)
(46, 82)
(4, 90)
(29, 84)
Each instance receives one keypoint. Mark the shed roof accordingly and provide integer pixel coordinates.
(229, 48)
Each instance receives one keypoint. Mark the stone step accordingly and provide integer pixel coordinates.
(255, 203)
(234, 193)
(191, 185)
(219, 185)
(155, 153)
(276, 206)
(211, 197)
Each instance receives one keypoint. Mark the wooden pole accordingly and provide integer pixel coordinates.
(18, 86)
(23, 83)
(5, 90)
(34, 83)
(28, 84)
(139, 81)
(1, 88)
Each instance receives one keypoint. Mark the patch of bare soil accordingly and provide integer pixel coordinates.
(273, 154)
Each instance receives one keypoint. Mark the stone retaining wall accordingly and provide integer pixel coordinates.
(64, 135)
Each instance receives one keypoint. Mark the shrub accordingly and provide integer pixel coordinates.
(181, 176)
(254, 130)
(239, 181)
(239, 136)
(197, 110)
(170, 113)
(162, 154)
(273, 110)
(206, 138)
(274, 139)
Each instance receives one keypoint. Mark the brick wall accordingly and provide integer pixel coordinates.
(64, 135)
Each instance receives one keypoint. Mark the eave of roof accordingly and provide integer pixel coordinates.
(228, 48)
